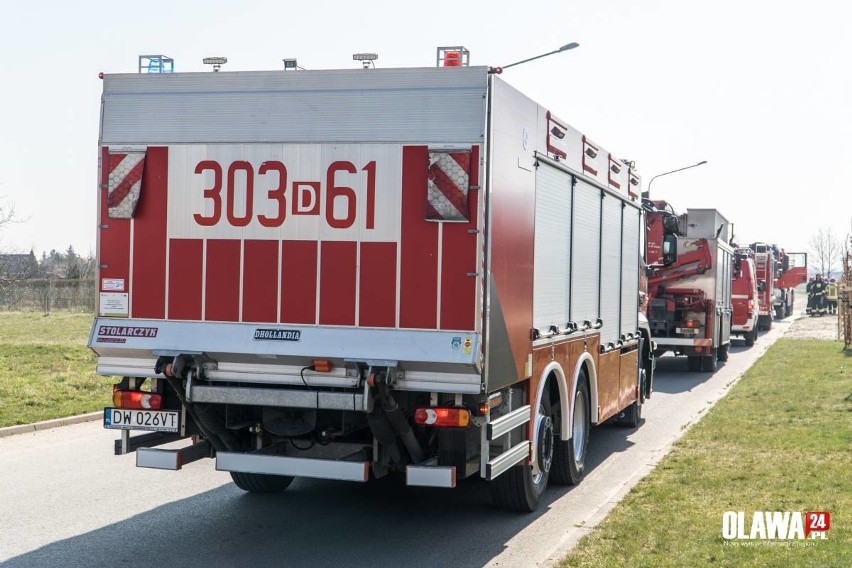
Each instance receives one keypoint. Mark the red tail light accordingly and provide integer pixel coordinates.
(447, 417)
(138, 400)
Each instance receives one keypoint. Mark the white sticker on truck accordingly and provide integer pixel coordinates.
(114, 304)
(112, 284)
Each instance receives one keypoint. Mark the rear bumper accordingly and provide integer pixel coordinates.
(428, 360)
(428, 474)
(294, 467)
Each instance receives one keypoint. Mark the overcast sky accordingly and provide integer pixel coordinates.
(760, 89)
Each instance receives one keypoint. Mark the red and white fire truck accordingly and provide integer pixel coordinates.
(792, 270)
(780, 272)
(744, 296)
(765, 263)
(349, 273)
(689, 283)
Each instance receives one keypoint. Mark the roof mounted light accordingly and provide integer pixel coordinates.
(291, 64)
(367, 59)
(156, 64)
(216, 62)
(452, 56)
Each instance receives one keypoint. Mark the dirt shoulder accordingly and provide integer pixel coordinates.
(806, 327)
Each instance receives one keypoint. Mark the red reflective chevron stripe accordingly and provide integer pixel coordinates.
(117, 195)
(462, 159)
(454, 194)
(114, 160)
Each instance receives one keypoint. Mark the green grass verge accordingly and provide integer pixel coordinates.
(46, 370)
(781, 440)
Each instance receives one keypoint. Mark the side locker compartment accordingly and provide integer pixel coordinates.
(630, 300)
(610, 369)
(585, 284)
(459, 258)
(630, 256)
(611, 276)
(552, 264)
(120, 184)
(148, 278)
(729, 308)
(585, 252)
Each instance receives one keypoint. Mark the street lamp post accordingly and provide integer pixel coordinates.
(565, 47)
(647, 193)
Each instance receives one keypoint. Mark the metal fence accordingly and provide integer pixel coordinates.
(844, 304)
(48, 295)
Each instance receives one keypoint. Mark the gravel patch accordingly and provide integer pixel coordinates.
(807, 327)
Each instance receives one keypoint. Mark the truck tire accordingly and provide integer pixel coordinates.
(519, 489)
(693, 363)
(569, 456)
(261, 482)
(779, 312)
(750, 337)
(708, 364)
(722, 352)
(632, 415)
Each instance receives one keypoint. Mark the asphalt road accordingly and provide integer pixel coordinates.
(66, 501)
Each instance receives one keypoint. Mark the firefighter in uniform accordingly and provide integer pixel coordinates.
(810, 290)
(831, 296)
(818, 290)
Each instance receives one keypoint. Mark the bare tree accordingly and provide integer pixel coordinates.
(7, 216)
(825, 251)
(88, 267)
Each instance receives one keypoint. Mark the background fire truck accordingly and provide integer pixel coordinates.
(791, 270)
(780, 273)
(689, 283)
(346, 274)
(744, 296)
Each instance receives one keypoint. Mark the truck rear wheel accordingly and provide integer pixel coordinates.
(569, 456)
(750, 337)
(722, 352)
(693, 363)
(519, 488)
(708, 364)
(261, 482)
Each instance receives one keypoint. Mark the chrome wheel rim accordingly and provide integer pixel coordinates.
(578, 426)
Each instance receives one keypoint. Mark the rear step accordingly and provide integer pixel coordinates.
(515, 454)
(173, 459)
